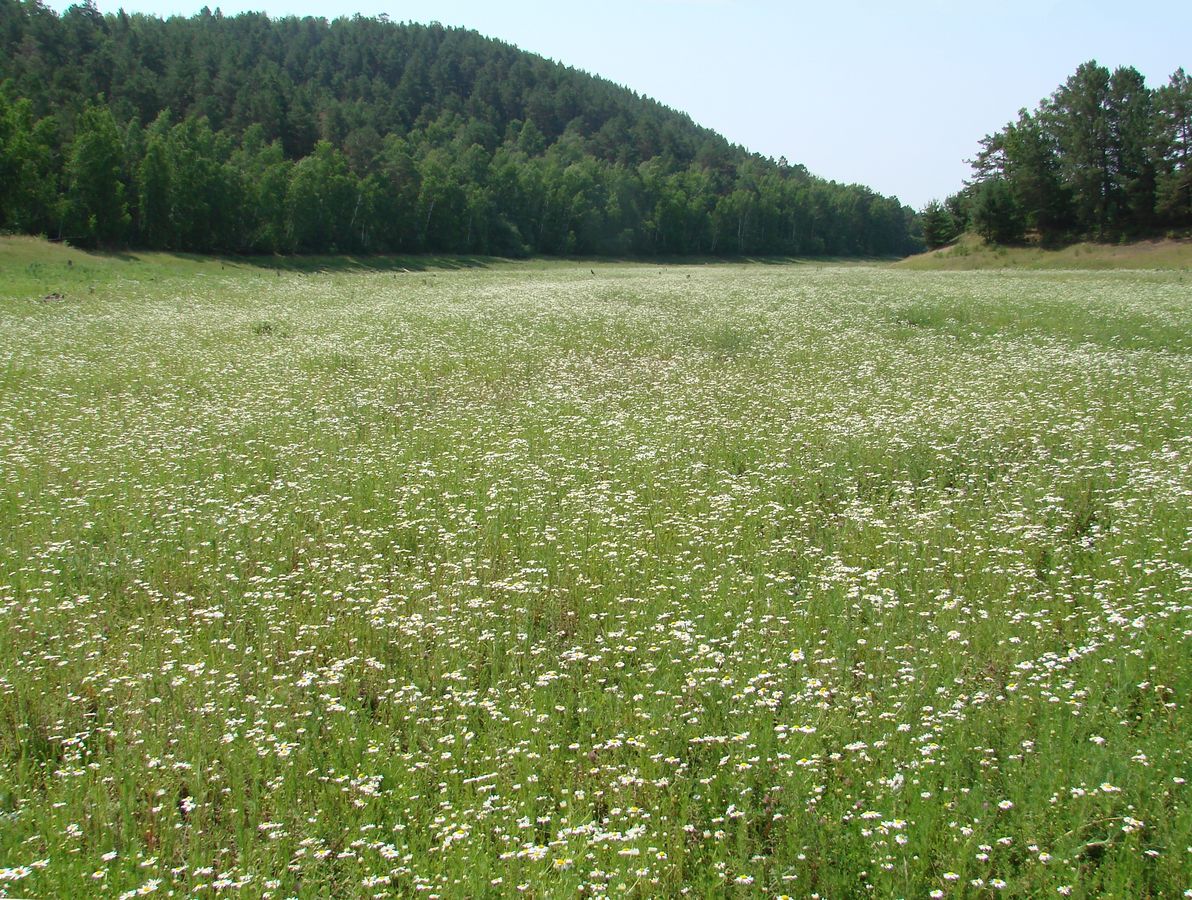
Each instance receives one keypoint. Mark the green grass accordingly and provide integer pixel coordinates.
(970, 253)
(727, 580)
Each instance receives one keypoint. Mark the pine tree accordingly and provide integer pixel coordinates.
(1131, 141)
(997, 217)
(1173, 141)
(1078, 117)
(939, 228)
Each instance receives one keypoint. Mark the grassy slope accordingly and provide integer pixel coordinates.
(972, 253)
(34, 266)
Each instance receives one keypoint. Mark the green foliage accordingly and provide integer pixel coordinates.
(96, 212)
(1032, 169)
(1104, 157)
(323, 202)
(1079, 116)
(153, 184)
(1131, 129)
(28, 170)
(996, 215)
(1173, 107)
(246, 134)
(939, 227)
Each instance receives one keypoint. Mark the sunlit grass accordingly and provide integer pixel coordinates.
(621, 579)
(971, 252)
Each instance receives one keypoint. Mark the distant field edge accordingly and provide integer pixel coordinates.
(973, 253)
(25, 249)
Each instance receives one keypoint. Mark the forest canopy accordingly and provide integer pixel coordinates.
(246, 134)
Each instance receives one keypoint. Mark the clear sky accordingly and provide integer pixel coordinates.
(892, 95)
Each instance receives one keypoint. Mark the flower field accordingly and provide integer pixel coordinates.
(628, 581)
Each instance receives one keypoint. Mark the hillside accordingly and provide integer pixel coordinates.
(250, 134)
(971, 252)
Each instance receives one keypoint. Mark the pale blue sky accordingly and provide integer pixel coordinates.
(894, 96)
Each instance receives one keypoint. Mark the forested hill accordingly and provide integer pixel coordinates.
(250, 134)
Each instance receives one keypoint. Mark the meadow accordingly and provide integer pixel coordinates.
(579, 579)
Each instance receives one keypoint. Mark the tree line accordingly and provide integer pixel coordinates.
(247, 134)
(1104, 157)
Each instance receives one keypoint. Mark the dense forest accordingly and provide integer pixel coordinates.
(1105, 157)
(246, 134)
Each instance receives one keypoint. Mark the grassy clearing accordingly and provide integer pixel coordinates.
(971, 253)
(732, 580)
(33, 265)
